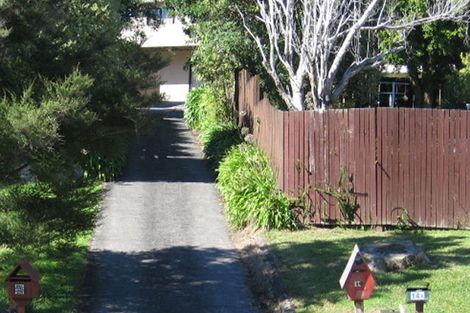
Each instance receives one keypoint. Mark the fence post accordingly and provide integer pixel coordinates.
(236, 97)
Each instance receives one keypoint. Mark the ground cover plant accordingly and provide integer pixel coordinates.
(311, 263)
(250, 190)
(205, 112)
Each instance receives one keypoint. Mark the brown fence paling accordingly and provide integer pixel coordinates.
(413, 159)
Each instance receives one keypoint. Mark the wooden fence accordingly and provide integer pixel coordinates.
(417, 159)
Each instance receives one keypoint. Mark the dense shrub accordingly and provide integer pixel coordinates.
(34, 214)
(249, 188)
(245, 177)
(204, 108)
(217, 141)
(193, 109)
(107, 158)
(206, 112)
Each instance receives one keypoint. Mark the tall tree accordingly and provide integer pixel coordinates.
(69, 83)
(432, 54)
(222, 45)
(456, 90)
(310, 41)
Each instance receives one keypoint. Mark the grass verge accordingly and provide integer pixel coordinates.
(311, 263)
(60, 262)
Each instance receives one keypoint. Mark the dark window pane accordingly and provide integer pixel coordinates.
(384, 100)
(385, 87)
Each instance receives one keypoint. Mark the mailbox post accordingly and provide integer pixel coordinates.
(23, 288)
(418, 296)
(358, 280)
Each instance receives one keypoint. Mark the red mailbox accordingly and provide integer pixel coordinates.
(23, 285)
(357, 279)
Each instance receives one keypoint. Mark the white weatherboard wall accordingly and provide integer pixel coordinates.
(170, 40)
(176, 48)
(175, 79)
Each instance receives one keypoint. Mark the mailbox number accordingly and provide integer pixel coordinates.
(418, 296)
(358, 284)
(19, 289)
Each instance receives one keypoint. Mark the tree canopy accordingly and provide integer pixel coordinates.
(432, 54)
(70, 84)
(312, 50)
(223, 45)
(312, 42)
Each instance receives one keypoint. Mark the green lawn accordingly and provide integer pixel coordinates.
(312, 261)
(60, 262)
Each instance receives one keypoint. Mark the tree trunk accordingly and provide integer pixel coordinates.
(431, 92)
(425, 88)
(418, 94)
(416, 84)
(430, 96)
(297, 99)
(426, 93)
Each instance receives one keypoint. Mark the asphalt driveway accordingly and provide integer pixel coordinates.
(162, 244)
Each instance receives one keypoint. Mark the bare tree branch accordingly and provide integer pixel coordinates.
(324, 43)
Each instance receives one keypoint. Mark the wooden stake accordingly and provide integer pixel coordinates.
(420, 307)
(359, 306)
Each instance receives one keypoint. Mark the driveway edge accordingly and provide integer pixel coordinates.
(263, 274)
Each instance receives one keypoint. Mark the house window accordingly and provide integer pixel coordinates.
(160, 15)
(395, 93)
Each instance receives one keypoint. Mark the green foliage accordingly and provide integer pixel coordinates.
(205, 107)
(107, 159)
(70, 84)
(249, 188)
(35, 214)
(245, 177)
(223, 43)
(38, 126)
(432, 54)
(61, 268)
(217, 140)
(361, 91)
(193, 110)
(223, 48)
(456, 90)
(213, 109)
(404, 220)
(51, 229)
(344, 195)
(205, 111)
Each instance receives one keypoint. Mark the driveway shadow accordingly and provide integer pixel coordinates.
(178, 279)
(166, 153)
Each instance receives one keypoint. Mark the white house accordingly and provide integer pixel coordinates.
(169, 39)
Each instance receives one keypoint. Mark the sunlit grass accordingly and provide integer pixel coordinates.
(312, 262)
(61, 264)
